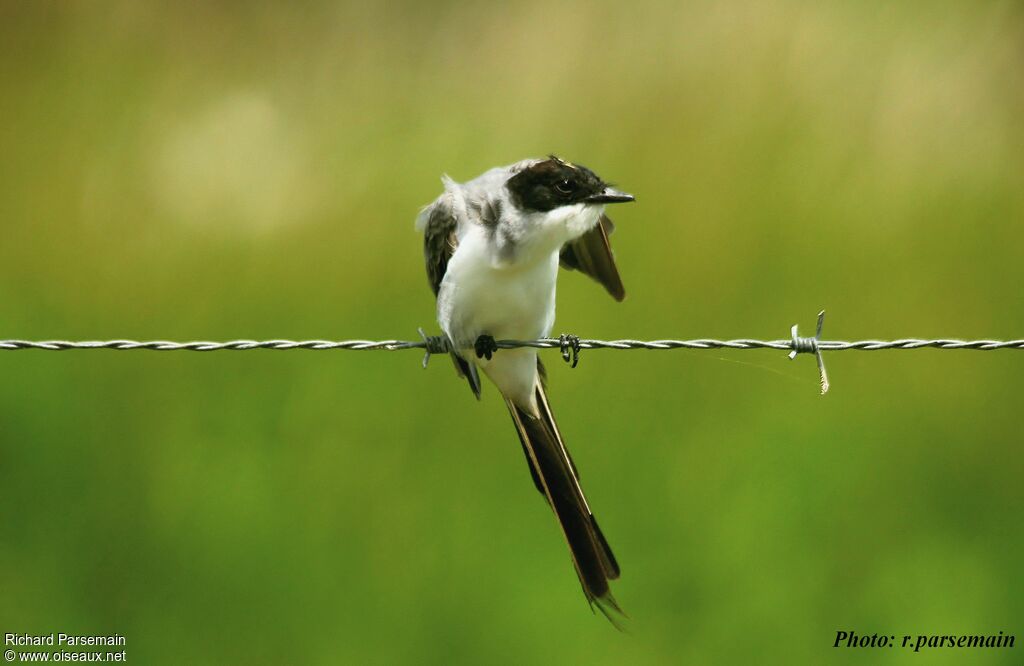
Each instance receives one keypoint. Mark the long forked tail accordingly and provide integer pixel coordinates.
(555, 476)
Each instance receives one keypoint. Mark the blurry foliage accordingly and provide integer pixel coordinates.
(229, 170)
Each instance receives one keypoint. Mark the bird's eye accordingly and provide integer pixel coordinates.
(565, 186)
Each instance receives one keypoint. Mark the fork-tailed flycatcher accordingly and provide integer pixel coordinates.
(493, 246)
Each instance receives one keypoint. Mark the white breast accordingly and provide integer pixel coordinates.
(481, 296)
(485, 292)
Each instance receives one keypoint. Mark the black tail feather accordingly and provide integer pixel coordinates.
(555, 476)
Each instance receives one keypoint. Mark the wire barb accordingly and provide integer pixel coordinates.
(432, 344)
(811, 346)
(569, 345)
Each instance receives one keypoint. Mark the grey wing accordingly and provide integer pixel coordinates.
(439, 243)
(592, 254)
(439, 240)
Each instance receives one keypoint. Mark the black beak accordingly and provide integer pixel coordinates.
(610, 195)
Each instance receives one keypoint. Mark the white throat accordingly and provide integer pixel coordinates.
(545, 233)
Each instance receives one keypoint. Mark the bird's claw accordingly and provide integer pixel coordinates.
(485, 346)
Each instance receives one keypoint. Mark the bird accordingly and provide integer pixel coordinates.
(492, 247)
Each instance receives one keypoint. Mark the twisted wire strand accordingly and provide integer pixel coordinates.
(436, 344)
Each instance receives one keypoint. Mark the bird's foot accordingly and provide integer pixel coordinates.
(485, 346)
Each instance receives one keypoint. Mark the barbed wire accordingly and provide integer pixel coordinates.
(542, 343)
(569, 345)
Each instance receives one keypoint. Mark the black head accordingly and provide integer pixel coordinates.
(553, 182)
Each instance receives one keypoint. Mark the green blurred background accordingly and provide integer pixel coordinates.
(231, 170)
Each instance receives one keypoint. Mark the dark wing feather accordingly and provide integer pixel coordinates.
(592, 254)
(439, 243)
(439, 240)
